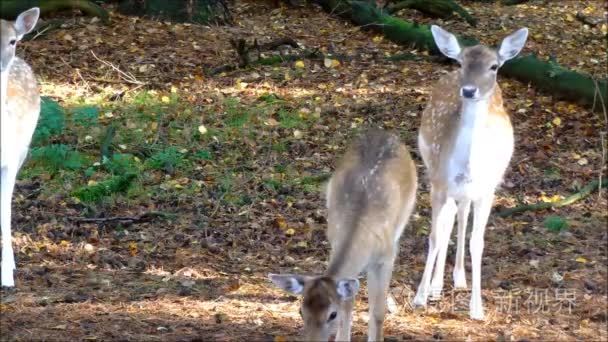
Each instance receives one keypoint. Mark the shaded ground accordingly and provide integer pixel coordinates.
(244, 189)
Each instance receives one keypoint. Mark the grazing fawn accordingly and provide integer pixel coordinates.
(466, 142)
(20, 108)
(370, 198)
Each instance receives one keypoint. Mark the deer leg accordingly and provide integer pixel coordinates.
(449, 213)
(459, 276)
(378, 281)
(441, 209)
(8, 177)
(481, 212)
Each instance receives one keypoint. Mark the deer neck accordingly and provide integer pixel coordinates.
(470, 127)
(3, 89)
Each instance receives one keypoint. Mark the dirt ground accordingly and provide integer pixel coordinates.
(201, 274)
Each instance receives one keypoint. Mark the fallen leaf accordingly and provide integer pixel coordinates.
(557, 121)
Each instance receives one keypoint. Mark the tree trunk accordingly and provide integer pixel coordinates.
(194, 11)
(545, 75)
(10, 9)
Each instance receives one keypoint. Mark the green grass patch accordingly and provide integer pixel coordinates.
(168, 159)
(50, 123)
(97, 192)
(555, 224)
(56, 157)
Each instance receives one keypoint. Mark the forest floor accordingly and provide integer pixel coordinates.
(236, 162)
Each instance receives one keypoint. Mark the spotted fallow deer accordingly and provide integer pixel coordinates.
(370, 198)
(466, 142)
(20, 107)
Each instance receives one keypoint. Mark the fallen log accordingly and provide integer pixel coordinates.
(434, 8)
(545, 75)
(584, 192)
(10, 9)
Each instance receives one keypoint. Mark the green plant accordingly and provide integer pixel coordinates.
(86, 116)
(555, 223)
(98, 191)
(167, 159)
(51, 121)
(203, 154)
(289, 119)
(272, 184)
(56, 157)
(120, 163)
(279, 146)
(270, 98)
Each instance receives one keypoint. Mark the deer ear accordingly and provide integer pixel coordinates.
(512, 45)
(291, 283)
(26, 21)
(446, 42)
(347, 288)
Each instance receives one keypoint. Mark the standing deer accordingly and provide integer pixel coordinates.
(370, 198)
(466, 142)
(20, 107)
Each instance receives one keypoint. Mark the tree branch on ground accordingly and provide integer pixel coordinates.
(545, 75)
(435, 8)
(145, 217)
(584, 192)
(10, 9)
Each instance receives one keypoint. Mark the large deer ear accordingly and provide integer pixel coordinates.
(512, 45)
(446, 42)
(347, 288)
(26, 21)
(291, 283)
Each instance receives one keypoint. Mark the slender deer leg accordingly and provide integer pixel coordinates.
(481, 212)
(444, 239)
(441, 209)
(8, 258)
(459, 275)
(346, 318)
(378, 281)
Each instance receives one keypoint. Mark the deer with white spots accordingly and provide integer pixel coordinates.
(370, 198)
(20, 107)
(466, 143)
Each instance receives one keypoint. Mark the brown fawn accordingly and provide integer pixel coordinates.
(370, 198)
(466, 143)
(20, 107)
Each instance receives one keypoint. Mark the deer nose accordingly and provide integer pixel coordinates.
(468, 92)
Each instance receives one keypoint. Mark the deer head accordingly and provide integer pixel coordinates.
(11, 32)
(479, 64)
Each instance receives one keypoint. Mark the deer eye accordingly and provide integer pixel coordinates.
(494, 67)
(13, 42)
(332, 316)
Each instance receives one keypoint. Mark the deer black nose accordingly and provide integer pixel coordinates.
(468, 92)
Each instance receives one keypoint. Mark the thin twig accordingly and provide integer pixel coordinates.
(123, 219)
(127, 77)
(602, 134)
